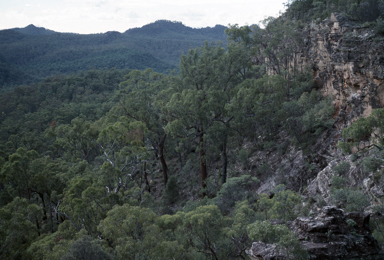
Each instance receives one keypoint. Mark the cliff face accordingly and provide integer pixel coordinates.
(347, 60)
(348, 64)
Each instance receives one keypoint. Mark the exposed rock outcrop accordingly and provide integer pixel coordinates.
(330, 235)
(348, 64)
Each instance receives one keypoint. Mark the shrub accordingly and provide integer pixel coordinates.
(380, 26)
(338, 182)
(371, 164)
(171, 190)
(85, 248)
(342, 168)
(351, 223)
(357, 201)
(235, 189)
(286, 240)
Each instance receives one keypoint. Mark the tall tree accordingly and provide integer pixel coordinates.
(139, 100)
(202, 91)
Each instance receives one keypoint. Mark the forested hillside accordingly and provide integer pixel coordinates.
(119, 162)
(30, 54)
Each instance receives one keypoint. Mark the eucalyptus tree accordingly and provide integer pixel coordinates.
(257, 106)
(205, 86)
(77, 138)
(278, 47)
(141, 99)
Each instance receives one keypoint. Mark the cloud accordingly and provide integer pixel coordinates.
(94, 16)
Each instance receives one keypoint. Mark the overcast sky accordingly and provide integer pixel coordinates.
(99, 16)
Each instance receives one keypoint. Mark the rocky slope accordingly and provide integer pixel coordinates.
(332, 234)
(348, 65)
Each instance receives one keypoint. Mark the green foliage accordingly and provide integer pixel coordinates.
(85, 158)
(26, 58)
(379, 26)
(142, 98)
(204, 230)
(308, 117)
(376, 224)
(342, 168)
(243, 156)
(362, 11)
(234, 190)
(350, 199)
(202, 91)
(284, 205)
(364, 133)
(18, 220)
(286, 240)
(351, 223)
(338, 182)
(256, 106)
(86, 248)
(357, 201)
(371, 163)
(131, 231)
(171, 190)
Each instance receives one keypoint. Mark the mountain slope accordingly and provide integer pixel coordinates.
(39, 52)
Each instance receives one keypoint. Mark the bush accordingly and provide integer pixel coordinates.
(171, 190)
(285, 204)
(357, 201)
(338, 182)
(351, 200)
(379, 26)
(235, 189)
(351, 223)
(85, 248)
(342, 168)
(371, 164)
(285, 239)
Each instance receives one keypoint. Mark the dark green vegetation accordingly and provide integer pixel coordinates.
(30, 54)
(358, 10)
(130, 164)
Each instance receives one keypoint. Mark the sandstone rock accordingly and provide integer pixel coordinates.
(348, 65)
(263, 251)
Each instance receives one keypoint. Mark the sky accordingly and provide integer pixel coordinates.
(100, 16)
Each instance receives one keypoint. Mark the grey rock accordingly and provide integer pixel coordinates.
(328, 236)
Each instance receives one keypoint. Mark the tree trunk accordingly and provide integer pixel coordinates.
(50, 213)
(146, 178)
(225, 161)
(203, 164)
(44, 208)
(162, 160)
(37, 226)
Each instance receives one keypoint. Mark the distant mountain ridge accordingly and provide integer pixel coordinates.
(33, 30)
(163, 26)
(32, 53)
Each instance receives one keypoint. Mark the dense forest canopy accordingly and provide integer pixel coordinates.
(129, 162)
(29, 54)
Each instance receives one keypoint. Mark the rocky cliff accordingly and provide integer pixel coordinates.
(347, 60)
(348, 64)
